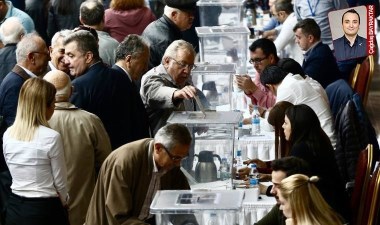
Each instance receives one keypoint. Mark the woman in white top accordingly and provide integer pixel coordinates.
(35, 158)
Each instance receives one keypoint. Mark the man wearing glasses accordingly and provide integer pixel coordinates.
(132, 174)
(167, 87)
(263, 53)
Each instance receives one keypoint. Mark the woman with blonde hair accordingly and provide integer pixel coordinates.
(302, 203)
(34, 155)
(126, 17)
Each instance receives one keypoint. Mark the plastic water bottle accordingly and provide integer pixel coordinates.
(254, 187)
(254, 173)
(239, 159)
(213, 220)
(224, 169)
(255, 121)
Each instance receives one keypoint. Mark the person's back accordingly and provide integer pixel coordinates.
(86, 146)
(62, 15)
(121, 20)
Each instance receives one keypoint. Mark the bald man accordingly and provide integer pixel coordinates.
(86, 145)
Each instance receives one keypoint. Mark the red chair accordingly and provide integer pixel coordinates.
(362, 77)
(373, 199)
(362, 178)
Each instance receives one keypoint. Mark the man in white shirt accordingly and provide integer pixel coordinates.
(285, 40)
(295, 89)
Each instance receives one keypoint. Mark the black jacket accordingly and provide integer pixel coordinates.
(160, 34)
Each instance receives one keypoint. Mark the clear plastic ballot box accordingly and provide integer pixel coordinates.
(197, 207)
(216, 82)
(223, 44)
(220, 12)
(210, 160)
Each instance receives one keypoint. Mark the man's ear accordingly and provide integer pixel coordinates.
(157, 147)
(89, 57)
(310, 38)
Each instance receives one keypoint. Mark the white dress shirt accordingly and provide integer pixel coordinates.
(37, 167)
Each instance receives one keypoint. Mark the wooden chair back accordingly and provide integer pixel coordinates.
(362, 77)
(362, 179)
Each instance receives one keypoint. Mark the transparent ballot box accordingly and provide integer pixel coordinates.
(220, 12)
(215, 82)
(224, 45)
(200, 207)
(209, 164)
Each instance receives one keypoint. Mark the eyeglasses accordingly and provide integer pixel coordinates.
(257, 61)
(173, 157)
(183, 65)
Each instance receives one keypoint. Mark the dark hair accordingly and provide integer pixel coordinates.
(309, 27)
(266, 45)
(306, 127)
(62, 7)
(86, 42)
(351, 11)
(291, 165)
(133, 45)
(87, 28)
(91, 12)
(272, 74)
(286, 6)
(290, 65)
(276, 119)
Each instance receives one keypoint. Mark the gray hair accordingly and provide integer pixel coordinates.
(28, 44)
(172, 135)
(86, 42)
(132, 45)
(11, 30)
(60, 34)
(177, 45)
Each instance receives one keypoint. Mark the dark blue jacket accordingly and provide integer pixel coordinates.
(100, 91)
(9, 92)
(137, 120)
(320, 65)
(7, 60)
(358, 50)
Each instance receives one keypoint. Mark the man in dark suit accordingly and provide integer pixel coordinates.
(132, 57)
(350, 45)
(32, 57)
(97, 88)
(319, 62)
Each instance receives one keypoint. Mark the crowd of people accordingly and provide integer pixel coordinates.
(86, 89)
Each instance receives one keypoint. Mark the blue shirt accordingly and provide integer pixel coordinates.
(344, 50)
(24, 18)
(319, 10)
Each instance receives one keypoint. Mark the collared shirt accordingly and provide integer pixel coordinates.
(27, 71)
(351, 51)
(308, 52)
(24, 18)
(38, 166)
(155, 184)
(52, 67)
(129, 76)
(318, 10)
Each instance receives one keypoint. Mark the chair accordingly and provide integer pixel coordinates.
(362, 77)
(362, 179)
(374, 198)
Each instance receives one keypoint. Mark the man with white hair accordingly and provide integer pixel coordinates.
(57, 52)
(11, 32)
(85, 142)
(7, 10)
(178, 16)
